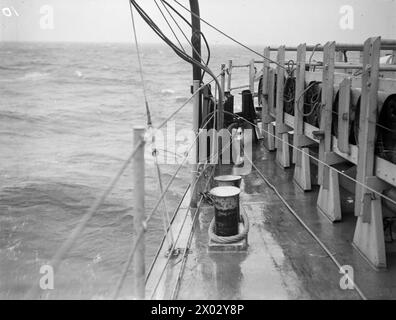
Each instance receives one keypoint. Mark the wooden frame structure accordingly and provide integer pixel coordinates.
(374, 174)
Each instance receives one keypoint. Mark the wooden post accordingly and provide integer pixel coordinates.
(369, 233)
(266, 119)
(329, 194)
(302, 170)
(139, 217)
(282, 151)
(228, 89)
(327, 105)
(271, 108)
(299, 98)
(251, 76)
(344, 103)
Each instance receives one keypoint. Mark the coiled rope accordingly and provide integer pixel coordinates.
(231, 239)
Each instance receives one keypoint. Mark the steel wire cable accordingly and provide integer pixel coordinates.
(306, 227)
(148, 218)
(170, 27)
(229, 37)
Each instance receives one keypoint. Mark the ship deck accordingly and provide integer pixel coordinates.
(283, 261)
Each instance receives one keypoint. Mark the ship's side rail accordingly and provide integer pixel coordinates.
(335, 109)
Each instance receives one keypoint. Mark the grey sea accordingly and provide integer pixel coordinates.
(66, 117)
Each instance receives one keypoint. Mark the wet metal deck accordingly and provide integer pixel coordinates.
(283, 261)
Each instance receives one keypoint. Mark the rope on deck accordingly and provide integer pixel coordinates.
(231, 239)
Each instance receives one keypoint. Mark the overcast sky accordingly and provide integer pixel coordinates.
(258, 22)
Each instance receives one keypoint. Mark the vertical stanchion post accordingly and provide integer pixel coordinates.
(266, 119)
(328, 202)
(302, 170)
(282, 142)
(369, 232)
(138, 190)
(327, 105)
(228, 89)
(194, 184)
(299, 102)
(271, 103)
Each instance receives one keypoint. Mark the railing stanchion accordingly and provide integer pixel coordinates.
(139, 216)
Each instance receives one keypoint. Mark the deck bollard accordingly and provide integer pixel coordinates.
(226, 204)
(228, 180)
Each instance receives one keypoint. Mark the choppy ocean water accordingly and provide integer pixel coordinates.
(66, 117)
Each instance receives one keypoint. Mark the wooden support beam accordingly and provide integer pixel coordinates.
(302, 169)
(282, 151)
(271, 137)
(299, 97)
(266, 119)
(344, 104)
(329, 194)
(327, 104)
(369, 233)
(368, 119)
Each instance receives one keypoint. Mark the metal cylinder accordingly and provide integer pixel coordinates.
(228, 180)
(226, 205)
